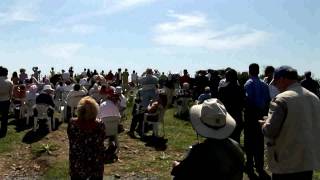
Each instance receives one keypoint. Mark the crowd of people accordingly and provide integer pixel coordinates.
(276, 112)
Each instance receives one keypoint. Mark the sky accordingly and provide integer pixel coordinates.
(169, 35)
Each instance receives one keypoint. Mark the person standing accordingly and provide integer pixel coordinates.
(310, 84)
(5, 97)
(125, 80)
(268, 76)
(86, 136)
(256, 106)
(292, 129)
(232, 96)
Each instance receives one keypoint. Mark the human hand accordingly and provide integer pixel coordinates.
(175, 163)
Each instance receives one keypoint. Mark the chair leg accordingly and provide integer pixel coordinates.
(35, 124)
(117, 143)
(143, 122)
(49, 124)
(27, 121)
(53, 123)
(155, 127)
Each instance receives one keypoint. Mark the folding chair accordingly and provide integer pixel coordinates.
(72, 103)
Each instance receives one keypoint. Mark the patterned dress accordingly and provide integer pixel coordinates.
(86, 151)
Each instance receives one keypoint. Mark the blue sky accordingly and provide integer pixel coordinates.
(169, 35)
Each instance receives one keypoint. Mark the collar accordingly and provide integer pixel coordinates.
(293, 85)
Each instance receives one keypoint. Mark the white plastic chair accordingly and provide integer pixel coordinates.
(42, 110)
(111, 124)
(72, 103)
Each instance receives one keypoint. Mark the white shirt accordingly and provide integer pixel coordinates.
(123, 101)
(108, 108)
(5, 88)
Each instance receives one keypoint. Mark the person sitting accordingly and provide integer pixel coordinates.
(45, 97)
(184, 97)
(204, 96)
(217, 157)
(94, 92)
(109, 108)
(77, 92)
(86, 137)
(122, 101)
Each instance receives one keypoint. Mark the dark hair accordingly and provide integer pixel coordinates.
(307, 74)
(76, 87)
(15, 74)
(3, 71)
(231, 75)
(254, 69)
(269, 69)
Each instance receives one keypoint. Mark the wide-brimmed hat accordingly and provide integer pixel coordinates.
(47, 88)
(211, 119)
(118, 89)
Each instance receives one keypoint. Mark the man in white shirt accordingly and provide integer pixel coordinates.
(5, 96)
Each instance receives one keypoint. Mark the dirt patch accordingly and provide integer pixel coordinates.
(22, 163)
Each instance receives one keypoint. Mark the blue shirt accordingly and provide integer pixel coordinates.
(257, 93)
(204, 97)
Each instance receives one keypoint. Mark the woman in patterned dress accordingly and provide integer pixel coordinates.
(86, 135)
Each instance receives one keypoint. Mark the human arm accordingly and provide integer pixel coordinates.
(271, 127)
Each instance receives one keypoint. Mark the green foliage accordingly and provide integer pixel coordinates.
(39, 149)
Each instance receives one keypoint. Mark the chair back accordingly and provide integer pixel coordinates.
(42, 110)
(111, 124)
(73, 101)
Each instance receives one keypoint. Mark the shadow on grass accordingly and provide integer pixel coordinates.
(31, 136)
(159, 143)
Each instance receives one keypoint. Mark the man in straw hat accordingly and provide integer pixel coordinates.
(217, 157)
(292, 128)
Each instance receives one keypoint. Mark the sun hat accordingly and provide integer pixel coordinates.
(47, 88)
(118, 89)
(211, 119)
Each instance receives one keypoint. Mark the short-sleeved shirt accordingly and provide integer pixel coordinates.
(5, 89)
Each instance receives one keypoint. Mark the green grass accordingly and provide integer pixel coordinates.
(58, 170)
(12, 138)
(146, 163)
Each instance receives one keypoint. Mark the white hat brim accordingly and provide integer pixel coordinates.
(205, 131)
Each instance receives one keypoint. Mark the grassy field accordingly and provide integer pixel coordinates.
(45, 156)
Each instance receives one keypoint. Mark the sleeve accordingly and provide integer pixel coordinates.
(277, 114)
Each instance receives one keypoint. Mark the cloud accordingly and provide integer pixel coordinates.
(64, 51)
(20, 11)
(193, 30)
(108, 7)
(82, 29)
